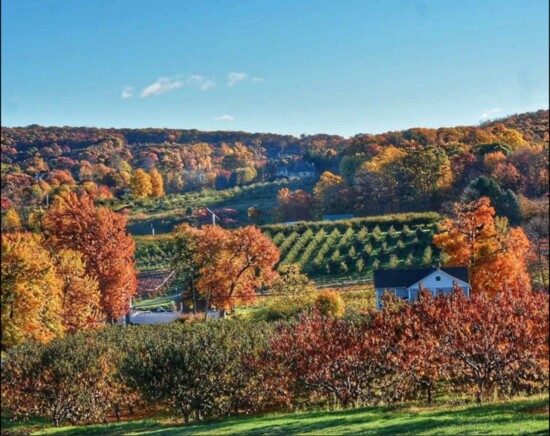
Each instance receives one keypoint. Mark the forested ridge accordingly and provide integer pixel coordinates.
(401, 171)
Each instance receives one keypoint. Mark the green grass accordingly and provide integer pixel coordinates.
(153, 252)
(166, 212)
(520, 416)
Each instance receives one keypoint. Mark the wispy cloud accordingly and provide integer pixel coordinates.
(162, 85)
(200, 82)
(487, 114)
(127, 92)
(233, 78)
(257, 79)
(225, 118)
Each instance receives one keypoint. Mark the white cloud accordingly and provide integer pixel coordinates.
(127, 92)
(225, 118)
(233, 78)
(257, 79)
(162, 85)
(487, 114)
(200, 82)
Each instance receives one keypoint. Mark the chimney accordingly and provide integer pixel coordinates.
(437, 264)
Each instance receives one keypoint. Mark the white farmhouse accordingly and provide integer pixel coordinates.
(405, 283)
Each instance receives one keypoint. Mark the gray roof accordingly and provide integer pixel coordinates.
(403, 278)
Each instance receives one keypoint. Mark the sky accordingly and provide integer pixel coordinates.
(287, 66)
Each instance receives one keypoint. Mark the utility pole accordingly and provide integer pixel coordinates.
(214, 216)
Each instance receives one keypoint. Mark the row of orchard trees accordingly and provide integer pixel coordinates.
(355, 249)
(74, 275)
(484, 345)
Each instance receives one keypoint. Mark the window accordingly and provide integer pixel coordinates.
(437, 278)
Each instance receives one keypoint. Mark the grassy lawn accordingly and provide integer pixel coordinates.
(520, 416)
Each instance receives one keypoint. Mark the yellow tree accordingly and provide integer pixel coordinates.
(157, 183)
(377, 181)
(331, 194)
(494, 253)
(31, 291)
(12, 222)
(141, 184)
(81, 296)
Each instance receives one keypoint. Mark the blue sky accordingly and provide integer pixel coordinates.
(285, 66)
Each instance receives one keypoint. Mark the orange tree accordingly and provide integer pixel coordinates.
(81, 296)
(293, 205)
(494, 253)
(230, 265)
(100, 235)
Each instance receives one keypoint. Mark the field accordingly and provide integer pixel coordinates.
(355, 248)
(350, 248)
(520, 416)
(164, 213)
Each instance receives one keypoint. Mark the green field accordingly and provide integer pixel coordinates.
(521, 416)
(166, 212)
(332, 249)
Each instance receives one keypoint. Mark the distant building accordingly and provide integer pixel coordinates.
(405, 283)
(296, 170)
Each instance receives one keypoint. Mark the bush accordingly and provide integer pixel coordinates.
(330, 303)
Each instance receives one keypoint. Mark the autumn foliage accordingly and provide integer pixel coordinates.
(232, 264)
(494, 253)
(32, 300)
(100, 236)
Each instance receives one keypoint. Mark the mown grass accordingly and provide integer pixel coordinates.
(519, 416)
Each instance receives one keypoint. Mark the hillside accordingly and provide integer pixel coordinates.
(38, 162)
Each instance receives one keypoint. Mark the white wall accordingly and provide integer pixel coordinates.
(445, 283)
(153, 317)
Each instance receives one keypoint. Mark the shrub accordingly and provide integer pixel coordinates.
(427, 258)
(330, 303)
(359, 265)
(394, 261)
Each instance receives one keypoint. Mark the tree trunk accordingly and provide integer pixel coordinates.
(207, 306)
(429, 390)
(194, 294)
(185, 415)
(479, 394)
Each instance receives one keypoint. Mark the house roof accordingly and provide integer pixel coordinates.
(403, 278)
